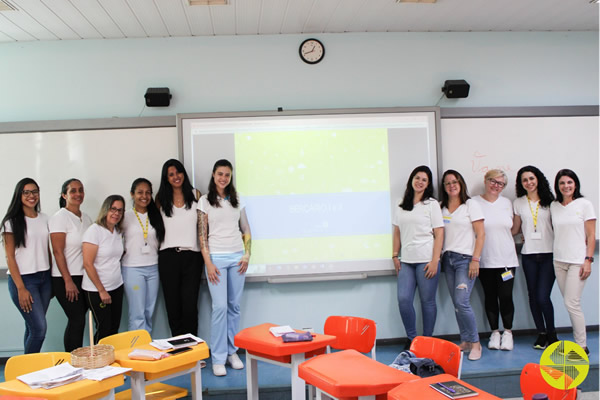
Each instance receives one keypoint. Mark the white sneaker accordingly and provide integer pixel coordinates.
(235, 361)
(494, 343)
(219, 370)
(506, 341)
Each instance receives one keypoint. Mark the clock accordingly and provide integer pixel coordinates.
(312, 51)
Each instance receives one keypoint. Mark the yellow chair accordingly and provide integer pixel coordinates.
(26, 363)
(158, 390)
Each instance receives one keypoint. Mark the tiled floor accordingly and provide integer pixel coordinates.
(497, 372)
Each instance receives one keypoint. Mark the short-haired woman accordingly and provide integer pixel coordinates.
(532, 218)
(143, 231)
(463, 241)
(102, 281)
(25, 234)
(498, 259)
(419, 232)
(66, 231)
(574, 223)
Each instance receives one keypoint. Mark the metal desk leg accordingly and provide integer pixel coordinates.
(138, 390)
(251, 377)
(197, 382)
(298, 386)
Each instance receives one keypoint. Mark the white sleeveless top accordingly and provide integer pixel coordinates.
(181, 228)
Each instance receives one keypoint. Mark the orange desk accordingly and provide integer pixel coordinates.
(85, 389)
(261, 345)
(147, 372)
(420, 389)
(349, 373)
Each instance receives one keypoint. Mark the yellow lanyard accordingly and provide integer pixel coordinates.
(535, 216)
(144, 230)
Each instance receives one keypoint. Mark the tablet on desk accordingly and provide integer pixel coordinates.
(179, 350)
(182, 341)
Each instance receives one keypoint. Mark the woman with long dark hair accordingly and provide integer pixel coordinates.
(25, 236)
(224, 235)
(532, 218)
(463, 241)
(574, 223)
(102, 281)
(179, 258)
(419, 232)
(498, 259)
(66, 231)
(143, 230)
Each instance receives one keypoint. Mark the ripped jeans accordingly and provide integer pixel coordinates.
(456, 268)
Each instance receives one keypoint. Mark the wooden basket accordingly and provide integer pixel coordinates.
(88, 357)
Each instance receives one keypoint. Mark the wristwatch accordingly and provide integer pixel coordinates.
(590, 259)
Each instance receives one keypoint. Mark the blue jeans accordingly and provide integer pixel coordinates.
(456, 268)
(40, 287)
(410, 277)
(226, 296)
(539, 274)
(141, 288)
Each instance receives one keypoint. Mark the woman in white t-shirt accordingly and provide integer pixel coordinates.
(532, 218)
(224, 235)
(419, 232)
(498, 259)
(143, 231)
(102, 282)
(66, 231)
(25, 236)
(574, 223)
(179, 258)
(463, 241)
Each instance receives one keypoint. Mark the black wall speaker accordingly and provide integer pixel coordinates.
(456, 89)
(158, 97)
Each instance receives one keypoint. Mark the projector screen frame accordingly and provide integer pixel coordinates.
(185, 144)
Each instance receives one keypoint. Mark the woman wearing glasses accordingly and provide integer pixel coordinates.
(102, 281)
(463, 242)
(419, 232)
(498, 259)
(532, 218)
(25, 236)
(66, 230)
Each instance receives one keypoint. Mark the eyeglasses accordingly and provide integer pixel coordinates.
(27, 193)
(450, 183)
(496, 183)
(116, 210)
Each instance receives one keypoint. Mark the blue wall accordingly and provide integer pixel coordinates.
(65, 80)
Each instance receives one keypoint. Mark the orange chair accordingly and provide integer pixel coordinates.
(533, 382)
(352, 333)
(444, 353)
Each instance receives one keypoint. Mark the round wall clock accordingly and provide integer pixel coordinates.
(312, 51)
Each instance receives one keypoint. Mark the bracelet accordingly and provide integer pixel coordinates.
(590, 259)
(394, 256)
(476, 259)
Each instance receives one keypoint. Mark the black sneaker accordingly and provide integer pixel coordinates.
(542, 342)
(407, 344)
(552, 338)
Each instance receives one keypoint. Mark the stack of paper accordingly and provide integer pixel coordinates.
(52, 377)
(176, 342)
(278, 331)
(100, 374)
(147, 355)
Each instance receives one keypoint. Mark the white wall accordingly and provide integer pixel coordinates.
(101, 79)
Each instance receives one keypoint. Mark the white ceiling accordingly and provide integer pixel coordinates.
(111, 19)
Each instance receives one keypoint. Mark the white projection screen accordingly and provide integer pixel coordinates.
(319, 187)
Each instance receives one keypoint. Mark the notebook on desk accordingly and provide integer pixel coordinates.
(453, 389)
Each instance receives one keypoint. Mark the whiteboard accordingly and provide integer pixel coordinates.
(105, 160)
(472, 146)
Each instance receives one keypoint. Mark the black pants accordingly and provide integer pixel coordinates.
(75, 312)
(498, 296)
(180, 273)
(539, 274)
(106, 316)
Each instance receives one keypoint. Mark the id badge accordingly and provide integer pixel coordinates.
(535, 236)
(508, 275)
(146, 249)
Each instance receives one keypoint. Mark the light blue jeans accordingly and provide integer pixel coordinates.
(456, 268)
(410, 277)
(39, 286)
(226, 296)
(141, 288)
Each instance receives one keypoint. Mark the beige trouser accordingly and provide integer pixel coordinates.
(571, 287)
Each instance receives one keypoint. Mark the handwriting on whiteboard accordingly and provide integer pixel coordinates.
(480, 163)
